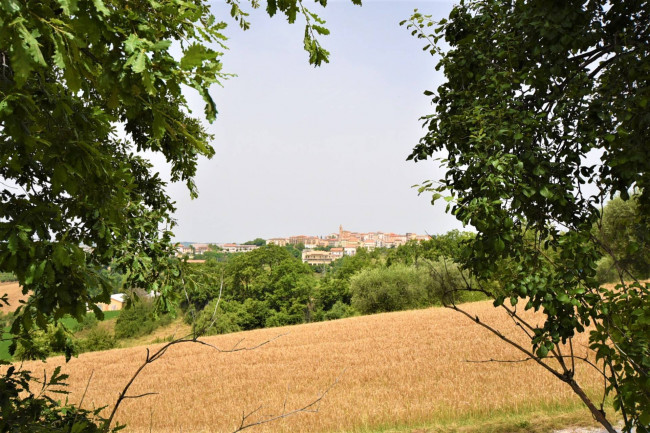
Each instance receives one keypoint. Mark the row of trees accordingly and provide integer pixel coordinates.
(269, 286)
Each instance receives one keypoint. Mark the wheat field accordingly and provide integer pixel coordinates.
(403, 368)
(14, 295)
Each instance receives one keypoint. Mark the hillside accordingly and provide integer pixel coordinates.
(395, 369)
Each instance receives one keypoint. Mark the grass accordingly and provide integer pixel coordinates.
(401, 372)
(542, 420)
(69, 322)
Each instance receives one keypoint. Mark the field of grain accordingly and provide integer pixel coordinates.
(15, 295)
(395, 369)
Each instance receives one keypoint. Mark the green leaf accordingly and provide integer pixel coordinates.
(159, 125)
(12, 243)
(101, 7)
(193, 57)
(59, 51)
(131, 43)
(140, 62)
(69, 6)
(563, 298)
(544, 191)
(161, 45)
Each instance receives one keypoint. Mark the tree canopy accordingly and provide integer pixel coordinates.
(543, 116)
(85, 88)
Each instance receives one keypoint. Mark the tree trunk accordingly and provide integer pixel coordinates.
(597, 414)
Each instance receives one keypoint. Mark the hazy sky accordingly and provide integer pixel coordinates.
(300, 150)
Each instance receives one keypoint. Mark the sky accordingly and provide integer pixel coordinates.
(302, 150)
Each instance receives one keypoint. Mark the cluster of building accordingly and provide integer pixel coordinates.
(195, 249)
(348, 239)
(343, 243)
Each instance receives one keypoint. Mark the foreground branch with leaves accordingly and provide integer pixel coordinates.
(77, 197)
(544, 117)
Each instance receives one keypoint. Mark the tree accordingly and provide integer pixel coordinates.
(77, 196)
(382, 289)
(257, 241)
(542, 118)
(622, 231)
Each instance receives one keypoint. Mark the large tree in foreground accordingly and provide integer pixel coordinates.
(75, 195)
(545, 115)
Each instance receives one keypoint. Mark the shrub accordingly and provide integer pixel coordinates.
(398, 287)
(5, 320)
(606, 271)
(7, 276)
(139, 319)
(441, 277)
(97, 339)
(339, 310)
(41, 344)
(281, 318)
(225, 320)
(88, 322)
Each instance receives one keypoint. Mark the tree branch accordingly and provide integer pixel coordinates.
(311, 407)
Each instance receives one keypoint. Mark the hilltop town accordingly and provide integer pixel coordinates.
(317, 249)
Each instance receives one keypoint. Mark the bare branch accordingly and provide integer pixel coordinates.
(150, 358)
(140, 395)
(311, 407)
(516, 361)
(509, 341)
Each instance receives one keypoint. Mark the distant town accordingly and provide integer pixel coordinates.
(315, 249)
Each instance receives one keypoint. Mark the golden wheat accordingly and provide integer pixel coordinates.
(14, 294)
(396, 368)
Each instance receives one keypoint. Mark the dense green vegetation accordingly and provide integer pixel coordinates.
(79, 195)
(627, 236)
(70, 334)
(270, 286)
(539, 100)
(7, 276)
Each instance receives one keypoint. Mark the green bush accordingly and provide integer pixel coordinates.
(139, 319)
(41, 344)
(281, 318)
(5, 320)
(88, 322)
(606, 271)
(339, 310)
(398, 287)
(97, 339)
(7, 276)
(225, 320)
(444, 283)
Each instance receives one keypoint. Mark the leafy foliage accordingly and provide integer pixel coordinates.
(139, 318)
(396, 288)
(623, 232)
(87, 86)
(257, 241)
(536, 93)
(46, 342)
(24, 410)
(97, 339)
